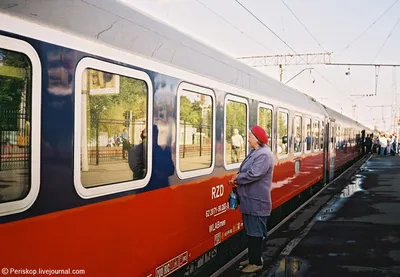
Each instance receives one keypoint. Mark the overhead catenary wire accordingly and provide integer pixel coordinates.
(387, 38)
(298, 19)
(368, 28)
(232, 25)
(290, 47)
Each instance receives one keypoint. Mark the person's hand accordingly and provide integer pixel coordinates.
(233, 181)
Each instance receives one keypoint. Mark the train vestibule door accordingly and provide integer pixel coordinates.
(331, 151)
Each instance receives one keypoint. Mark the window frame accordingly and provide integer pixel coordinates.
(20, 46)
(238, 99)
(262, 105)
(199, 90)
(107, 189)
(286, 111)
(301, 134)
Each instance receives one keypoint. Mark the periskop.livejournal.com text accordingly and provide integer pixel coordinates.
(41, 271)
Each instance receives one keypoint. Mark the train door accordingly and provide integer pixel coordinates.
(331, 151)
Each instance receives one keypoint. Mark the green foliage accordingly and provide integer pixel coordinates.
(283, 125)
(265, 120)
(110, 108)
(10, 92)
(235, 119)
(12, 78)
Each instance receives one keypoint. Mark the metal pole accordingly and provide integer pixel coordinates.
(200, 140)
(97, 140)
(184, 138)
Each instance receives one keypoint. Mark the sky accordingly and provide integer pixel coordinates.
(333, 26)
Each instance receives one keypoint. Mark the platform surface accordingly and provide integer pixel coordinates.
(351, 229)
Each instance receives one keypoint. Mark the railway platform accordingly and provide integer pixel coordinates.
(352, 228)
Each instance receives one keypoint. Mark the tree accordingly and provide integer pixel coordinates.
(108, 109)
(235, 118)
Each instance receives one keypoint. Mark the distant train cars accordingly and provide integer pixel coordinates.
(131, 131)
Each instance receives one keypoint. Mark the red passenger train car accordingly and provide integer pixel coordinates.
(134, 130)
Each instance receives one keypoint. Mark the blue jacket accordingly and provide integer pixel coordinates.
(255, 181)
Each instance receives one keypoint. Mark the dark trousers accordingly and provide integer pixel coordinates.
(255, 250)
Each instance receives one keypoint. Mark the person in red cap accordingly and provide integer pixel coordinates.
(253, 184)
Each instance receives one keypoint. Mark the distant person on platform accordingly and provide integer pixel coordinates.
(237, 146)
(253, 183)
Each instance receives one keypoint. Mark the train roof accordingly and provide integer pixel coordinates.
(340, 118)
(130, 30)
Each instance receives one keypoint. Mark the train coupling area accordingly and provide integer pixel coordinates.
(351, 228)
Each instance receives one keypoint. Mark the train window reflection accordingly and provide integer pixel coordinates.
(308, 137)
(236, 132)
(15, 125)
(321, 140)
(316, 134)
(265, 121)
(297, 130)
(283, 134)
(114, 135)
(196, 131)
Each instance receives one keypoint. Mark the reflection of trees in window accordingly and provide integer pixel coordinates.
(15, 127)
(297, 134)
(195, 131)
(131, 97)
(236, 118)
(283, 133)
(265, 121)
(116, 114)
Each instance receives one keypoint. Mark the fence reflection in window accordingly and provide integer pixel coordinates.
(114, 110)
(283, 134)
(196, 127)
(15, 125)
(236, 132)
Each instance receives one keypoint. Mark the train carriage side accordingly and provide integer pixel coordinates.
(90, 99)
(346, 140)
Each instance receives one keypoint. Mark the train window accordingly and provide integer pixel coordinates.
(338, 137)
(265, 121)
(298, 135)
(316, 135)
(236, 126)
(20, 87)
(195, 153)
(283, 129)
(321, 140)
(308, 137)
(113, 130)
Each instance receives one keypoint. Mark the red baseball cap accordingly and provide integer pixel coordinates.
(260, 134)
